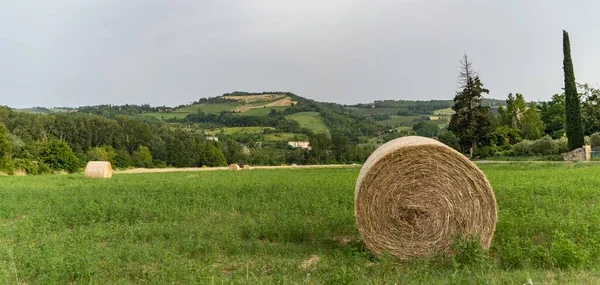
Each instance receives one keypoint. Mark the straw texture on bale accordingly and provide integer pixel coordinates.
(98, 169)
(234, 167)
(247, 167)
(414, 195)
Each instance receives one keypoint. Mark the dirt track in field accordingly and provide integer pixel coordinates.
(194, 169)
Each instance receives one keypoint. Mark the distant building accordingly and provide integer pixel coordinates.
(212, 138)
(304, 145)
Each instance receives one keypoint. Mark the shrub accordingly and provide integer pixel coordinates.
(595, 139)
(122, 159)
(59, 156)
(544, 146)
(142, 157)
(210, 155)
(32, 167)
(449, 139)
(486, 151)
(522, 148)
(562, 145)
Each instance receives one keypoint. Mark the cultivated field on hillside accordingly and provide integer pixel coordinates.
(444, 112)
(254, 98)
(310, 120)
(282, 226)
(209, 108)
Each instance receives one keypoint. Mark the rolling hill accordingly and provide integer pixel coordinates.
(270, 115)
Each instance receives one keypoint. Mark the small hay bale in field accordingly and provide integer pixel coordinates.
(98, 169)
(294, 165)
(234, 167)
(247, 167)
(414, 195)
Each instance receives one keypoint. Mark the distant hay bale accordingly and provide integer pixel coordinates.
(98, 169)
(414, 195)
(294, 165)
(247, 167)
(234, 167)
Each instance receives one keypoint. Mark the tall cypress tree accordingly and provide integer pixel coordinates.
(572, 105)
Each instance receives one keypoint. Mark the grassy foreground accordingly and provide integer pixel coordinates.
(281, 226)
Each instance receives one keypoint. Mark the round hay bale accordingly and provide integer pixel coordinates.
(414, 195)
(247, 167)
(234, 167)
(98, 169)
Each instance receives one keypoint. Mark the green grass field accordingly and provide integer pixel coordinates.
(444, 112)
(209, 108)
(285, 226)
(310, 120)
(261, 111)
(402, 121)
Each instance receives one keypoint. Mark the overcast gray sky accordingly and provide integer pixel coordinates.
(87, 52)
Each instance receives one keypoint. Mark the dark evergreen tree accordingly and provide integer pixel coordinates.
(471, 121)
(572, 105)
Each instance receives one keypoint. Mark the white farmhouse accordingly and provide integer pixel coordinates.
(299, 144)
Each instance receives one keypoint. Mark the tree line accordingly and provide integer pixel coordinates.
(42, 143)
(522, 128)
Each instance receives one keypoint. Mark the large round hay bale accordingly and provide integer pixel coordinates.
(234, 167)
(98, 169)
(415, 195)
(247, 167)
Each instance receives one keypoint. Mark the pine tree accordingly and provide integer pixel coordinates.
(471, 121)
(572, 106)
(466, 72)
